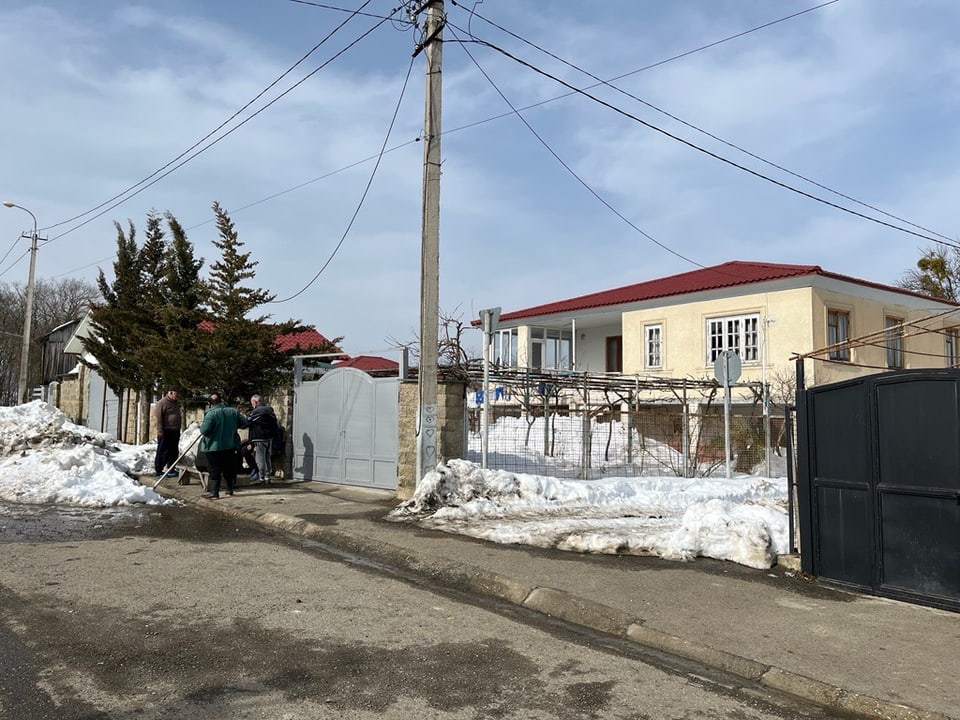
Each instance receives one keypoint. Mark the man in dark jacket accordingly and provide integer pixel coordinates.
(220, 442)
(167, 418)
(263, 427)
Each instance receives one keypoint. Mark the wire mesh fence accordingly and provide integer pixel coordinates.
(588, 427)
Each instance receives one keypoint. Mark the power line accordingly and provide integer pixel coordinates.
(216, 129)
(564, 164)
(322, 6)
(16, 262)
(690, 125)
(710, 153)
(514, 111)
(7, 254)
(363, 197)
(225, 135)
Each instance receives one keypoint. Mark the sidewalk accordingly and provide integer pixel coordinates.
(854, 653)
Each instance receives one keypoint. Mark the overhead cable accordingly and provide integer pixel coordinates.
(145, 181)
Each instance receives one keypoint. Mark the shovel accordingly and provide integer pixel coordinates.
(174, 463)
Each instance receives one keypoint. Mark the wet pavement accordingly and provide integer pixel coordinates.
(63, 523)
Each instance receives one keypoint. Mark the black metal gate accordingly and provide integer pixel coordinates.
(879, 484)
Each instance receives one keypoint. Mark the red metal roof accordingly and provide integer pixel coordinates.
(305, 341)
(728, 274)
(369, 363)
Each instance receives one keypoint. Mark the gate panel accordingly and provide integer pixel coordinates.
(386, 432)
(882, 473)
(841, 470)
(845, 539)
(345, 427)
(357, 424)
(328, 435)
(918, 427)
(921, 549)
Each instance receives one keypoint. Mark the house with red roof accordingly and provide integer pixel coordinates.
(370, 364)
(304, 341)
(767, 313)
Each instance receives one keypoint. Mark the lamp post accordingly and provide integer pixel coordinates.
(28, 312)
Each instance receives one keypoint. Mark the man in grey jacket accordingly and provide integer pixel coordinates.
(262, 429)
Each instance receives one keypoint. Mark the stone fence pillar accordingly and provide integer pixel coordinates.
(451, 416)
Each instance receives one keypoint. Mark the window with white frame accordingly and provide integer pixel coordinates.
(653, 346)
(894, 327)
(838, 331)
(739, 333)
(951, 347)
(551, 349)
(505, 348)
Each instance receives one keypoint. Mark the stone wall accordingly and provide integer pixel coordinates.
(70, 398)
(451, 419)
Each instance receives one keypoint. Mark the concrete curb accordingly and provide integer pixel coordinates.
(579, 611)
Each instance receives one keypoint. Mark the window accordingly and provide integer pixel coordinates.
(952, 346)
(653, 346)
(894, 342)
(551, 349)
(838, 331)
(739, 333)
(615, 353)
(505, 348)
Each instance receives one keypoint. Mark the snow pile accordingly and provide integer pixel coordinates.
(44, 458)
(741, 519)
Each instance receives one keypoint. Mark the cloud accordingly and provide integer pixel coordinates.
(859, 96)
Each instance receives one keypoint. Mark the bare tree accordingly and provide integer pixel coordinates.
(453, 356)
(55, 302)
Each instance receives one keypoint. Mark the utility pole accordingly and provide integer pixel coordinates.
(28, 311)
(430, 241)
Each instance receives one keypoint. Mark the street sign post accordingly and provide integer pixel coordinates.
(726, 369)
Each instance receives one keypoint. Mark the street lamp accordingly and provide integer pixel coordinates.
(28, 312)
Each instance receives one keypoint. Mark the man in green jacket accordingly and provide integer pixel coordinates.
(220, 442)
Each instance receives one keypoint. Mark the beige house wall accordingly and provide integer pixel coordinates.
(789, 329)
(792, 321)
(868, 315)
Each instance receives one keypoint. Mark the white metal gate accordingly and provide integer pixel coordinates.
(102, 407)
(345, 428)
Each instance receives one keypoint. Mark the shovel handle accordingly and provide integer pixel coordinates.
(174, 463)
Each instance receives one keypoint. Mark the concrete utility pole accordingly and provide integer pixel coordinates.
(28, 311)
(430, 242)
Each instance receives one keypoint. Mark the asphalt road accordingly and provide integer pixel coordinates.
(139, 613)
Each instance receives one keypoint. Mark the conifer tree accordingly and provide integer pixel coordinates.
(118, 321)
(181, 309)
(149, 332)
(240, 349)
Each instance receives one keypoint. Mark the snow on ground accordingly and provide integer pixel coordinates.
(742, 519)
(44, 458)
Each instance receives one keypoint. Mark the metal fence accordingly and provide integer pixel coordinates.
(592, 426)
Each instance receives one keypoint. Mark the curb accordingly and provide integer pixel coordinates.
(579, 611)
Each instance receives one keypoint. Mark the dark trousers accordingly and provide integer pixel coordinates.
(168, 450)
(222, 464)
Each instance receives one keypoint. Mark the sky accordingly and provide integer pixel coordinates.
(46, 459)
(860, 96)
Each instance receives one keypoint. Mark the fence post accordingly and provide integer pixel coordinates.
(585, 445)
(630, 431)
(685, 434)
(546, 422)
(766, 425)
(788, 422)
